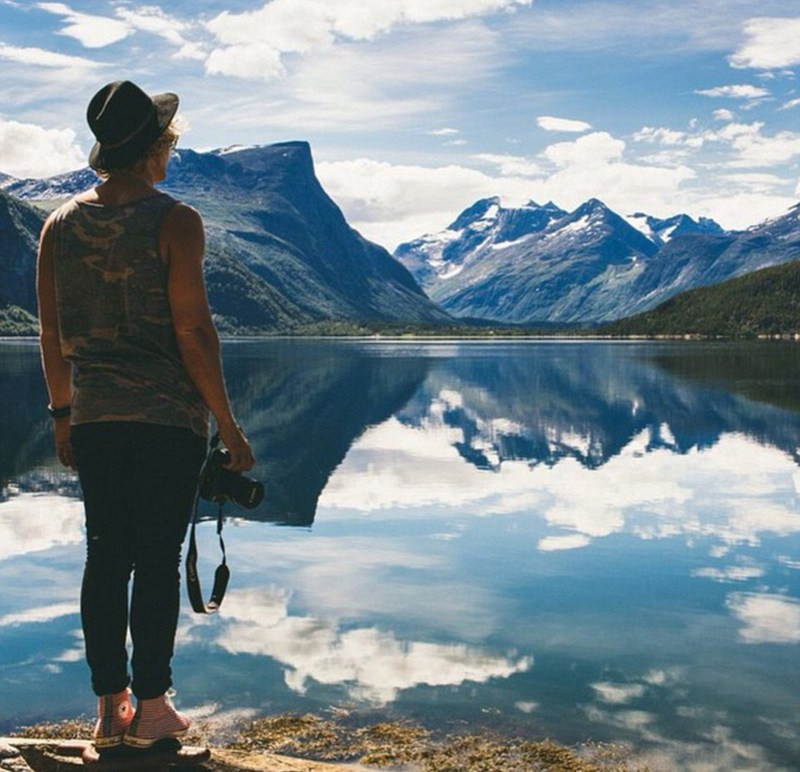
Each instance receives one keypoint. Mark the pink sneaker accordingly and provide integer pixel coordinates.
(114, 716)
(155, 720)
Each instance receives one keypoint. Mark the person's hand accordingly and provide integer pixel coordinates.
(237, 445)
(63, 444)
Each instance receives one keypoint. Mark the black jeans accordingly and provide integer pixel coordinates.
(138, 482)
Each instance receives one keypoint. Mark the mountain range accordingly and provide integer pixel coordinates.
(281, 256)
(280, 253)
(543, 264)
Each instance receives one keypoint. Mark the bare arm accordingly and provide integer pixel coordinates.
(183, 245)
(57, 370)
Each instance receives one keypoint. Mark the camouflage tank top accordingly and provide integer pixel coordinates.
(114, 316)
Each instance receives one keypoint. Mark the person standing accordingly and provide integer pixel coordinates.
(132, 364)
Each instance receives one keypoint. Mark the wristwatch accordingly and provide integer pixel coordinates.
(59, 412)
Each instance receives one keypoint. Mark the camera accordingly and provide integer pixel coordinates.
(219, 484)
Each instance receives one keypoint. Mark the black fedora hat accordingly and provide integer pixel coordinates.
(126, 121)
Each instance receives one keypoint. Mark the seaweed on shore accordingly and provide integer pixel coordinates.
(394, 745)
(402, 744)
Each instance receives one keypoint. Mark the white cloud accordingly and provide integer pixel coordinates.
(743, 208)
(92, 31)
(40, 57)
(372, 665)
(252, 44)
(754, 149)
(766, 618)
(512, 165)
(27, 150)
(594, 165)
(445, 132)
(392, 203)
(395, 203)
(755, 182)
(360, 86)
(668, 137)
(153, 20)
(549, 123)
(723, 115)
(789, 104)
(746, 143)
(596, 149)
(772, 43)
(737, 91)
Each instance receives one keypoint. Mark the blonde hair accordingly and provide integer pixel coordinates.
(163, 144)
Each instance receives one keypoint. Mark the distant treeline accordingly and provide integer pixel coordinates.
(762, 303)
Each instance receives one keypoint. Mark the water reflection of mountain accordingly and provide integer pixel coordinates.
(588, 402)
(26, 442)
(303, 404)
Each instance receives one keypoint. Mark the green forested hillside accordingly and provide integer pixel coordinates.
(764, 302)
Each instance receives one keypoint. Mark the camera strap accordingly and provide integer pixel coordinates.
(221, 575)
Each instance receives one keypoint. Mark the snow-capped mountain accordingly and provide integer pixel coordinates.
(442, 255)
(660, 231)
(536, 263)
(589, 265)
(50, 188)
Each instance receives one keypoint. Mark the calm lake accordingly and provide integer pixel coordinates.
(576, 540)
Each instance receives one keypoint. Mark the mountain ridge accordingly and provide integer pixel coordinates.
(280, 253)
(587, 266)
(282, 257)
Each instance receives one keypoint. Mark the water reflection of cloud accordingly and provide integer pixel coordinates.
(618, 694)
(32, 522)
(351, 576)
(766, 618)
(707, 742)
(39, 614)
(651, 494)
(567, 542)
(715, 747)
(738, 573)
(370, 664)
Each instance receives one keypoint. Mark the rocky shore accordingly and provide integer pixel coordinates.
(43, 755)
(295, 743)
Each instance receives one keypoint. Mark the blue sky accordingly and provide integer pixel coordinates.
(416, 108)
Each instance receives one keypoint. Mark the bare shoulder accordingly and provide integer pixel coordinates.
(182, 235)
(181, 217)
(45, 235)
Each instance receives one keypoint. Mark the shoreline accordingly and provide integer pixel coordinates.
(308, 743)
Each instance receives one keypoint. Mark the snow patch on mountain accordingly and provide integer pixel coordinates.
(579, 225)
(510, 244)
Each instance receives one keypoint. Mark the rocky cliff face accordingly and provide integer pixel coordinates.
(280, 253)
(20, 224)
